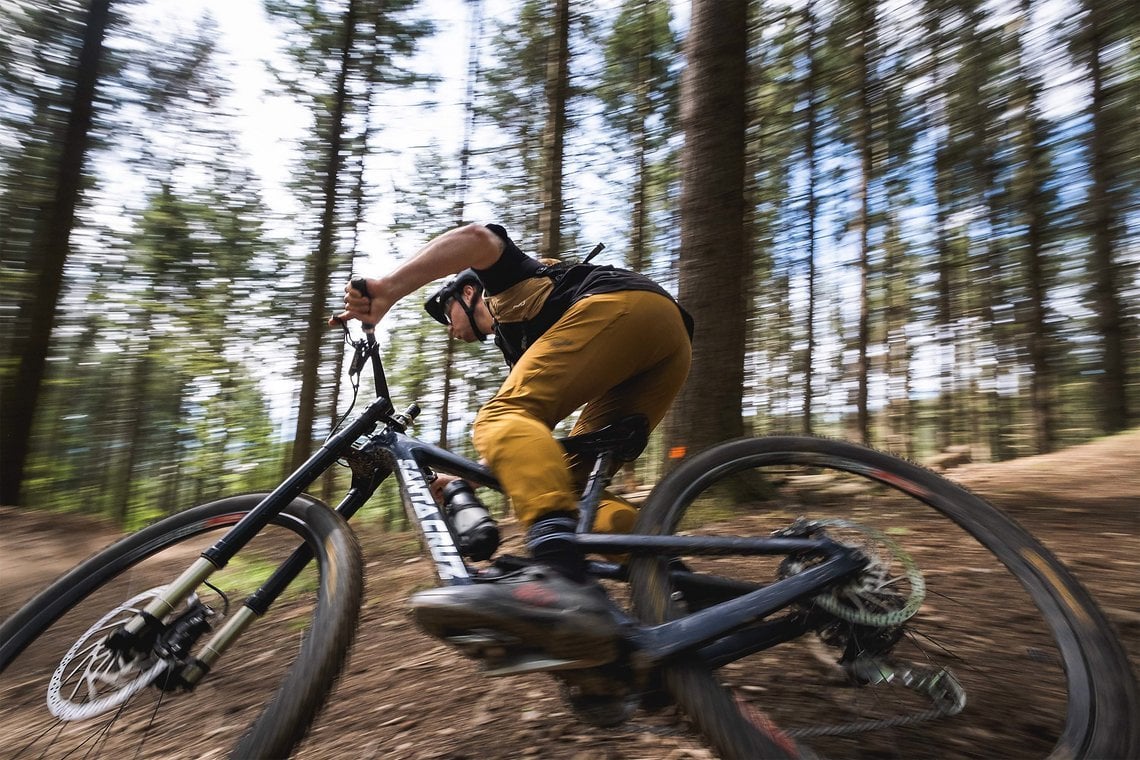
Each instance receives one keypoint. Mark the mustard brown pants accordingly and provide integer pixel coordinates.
(615, 353)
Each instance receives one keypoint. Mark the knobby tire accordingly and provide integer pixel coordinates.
(1102, 691)
(325, 644)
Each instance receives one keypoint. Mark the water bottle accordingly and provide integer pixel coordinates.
(477, 532)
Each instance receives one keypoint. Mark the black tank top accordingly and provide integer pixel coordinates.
(572, 283)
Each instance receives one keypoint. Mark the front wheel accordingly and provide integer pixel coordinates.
(67, 694)
(962, 637)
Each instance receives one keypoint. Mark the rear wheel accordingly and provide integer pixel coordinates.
(67, 694)
(963, 636)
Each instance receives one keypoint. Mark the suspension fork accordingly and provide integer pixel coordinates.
(143, 627)
(258, 603)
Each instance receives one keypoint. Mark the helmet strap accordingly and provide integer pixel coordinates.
(469, 310)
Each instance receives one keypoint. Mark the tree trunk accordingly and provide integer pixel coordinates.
(136, 415)
(639, 233)
(810, 136)
(863, 127)
(713, 262)
(1041, 383)
(986, 255)
(328, 480)
(445, 405)
(18, 400)
(554, 133)
(319, 271)
(1107, 274)
(943, 311)
(1032, 200)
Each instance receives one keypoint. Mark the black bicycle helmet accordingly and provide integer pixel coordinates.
(439, 303)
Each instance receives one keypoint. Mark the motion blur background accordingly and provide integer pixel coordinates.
(930, 240)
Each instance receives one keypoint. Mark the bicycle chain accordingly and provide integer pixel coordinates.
(939, 686)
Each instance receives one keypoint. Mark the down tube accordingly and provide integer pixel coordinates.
(259, 602)
(436, 531)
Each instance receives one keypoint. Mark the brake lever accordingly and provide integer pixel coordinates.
(366, 348)
(358, 358)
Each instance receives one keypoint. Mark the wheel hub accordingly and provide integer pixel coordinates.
(885, 594)
(93, 677)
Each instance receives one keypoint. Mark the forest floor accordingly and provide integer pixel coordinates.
(406, 696)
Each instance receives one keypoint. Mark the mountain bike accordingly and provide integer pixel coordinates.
(791, 596)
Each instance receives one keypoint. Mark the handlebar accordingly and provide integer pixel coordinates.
(360, 285)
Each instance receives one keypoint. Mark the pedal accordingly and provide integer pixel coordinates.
(530, 662)
(483, 645)
(604, 697)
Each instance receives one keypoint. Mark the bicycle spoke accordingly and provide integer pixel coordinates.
(108, 702)
(935, 621)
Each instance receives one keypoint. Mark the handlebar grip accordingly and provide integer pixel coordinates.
(360, 285)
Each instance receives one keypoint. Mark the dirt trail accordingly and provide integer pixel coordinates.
(405, 696)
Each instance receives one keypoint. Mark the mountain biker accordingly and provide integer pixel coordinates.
(604, 338)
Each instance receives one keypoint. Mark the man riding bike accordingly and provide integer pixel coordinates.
(604, 338)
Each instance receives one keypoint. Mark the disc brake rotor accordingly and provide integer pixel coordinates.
(92, 679)
(878, 601)
(875, 597)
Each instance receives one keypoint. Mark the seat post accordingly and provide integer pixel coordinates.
(599, 479)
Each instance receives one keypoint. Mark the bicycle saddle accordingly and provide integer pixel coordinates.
(627, 438)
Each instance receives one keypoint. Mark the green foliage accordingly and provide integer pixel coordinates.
(638, 91)
(154, 404)
(1002, 223)
(640, 54)
(515, 89)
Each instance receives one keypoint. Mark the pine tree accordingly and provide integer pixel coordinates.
(713, 262)
(20, 392)
(1100, 29)
(318, 37)
(638, 92)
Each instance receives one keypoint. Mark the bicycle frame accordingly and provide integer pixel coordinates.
(719, 634)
